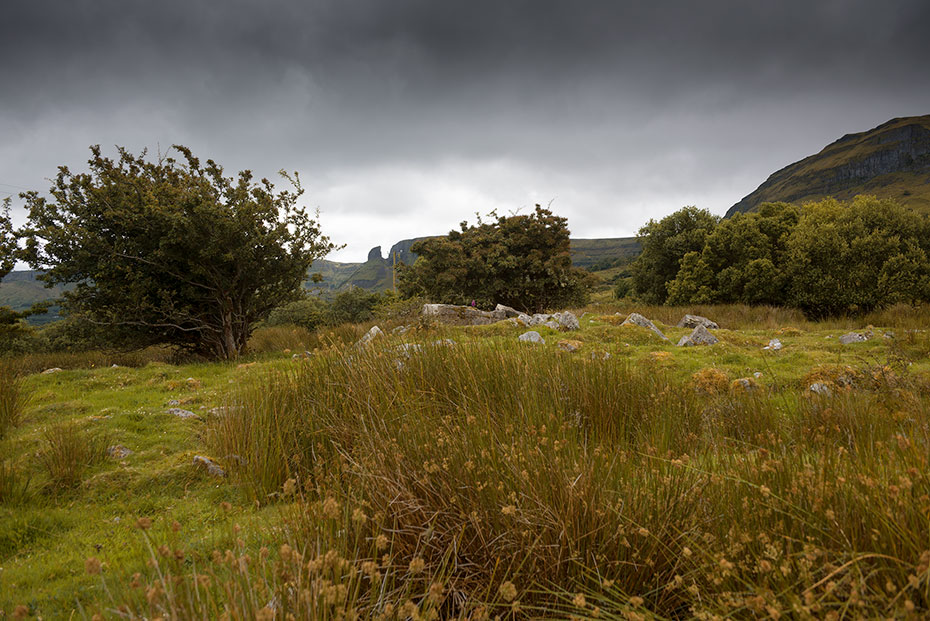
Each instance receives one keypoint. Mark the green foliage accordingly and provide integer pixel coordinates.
(522, 261)
(353, 305)
(742, 261)
(623, 288)
(858, 256)
(664, 244)
(311, 312)
(171, 251)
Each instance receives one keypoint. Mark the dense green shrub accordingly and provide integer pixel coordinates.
(665, 243)
(311, 312)
(522, 261)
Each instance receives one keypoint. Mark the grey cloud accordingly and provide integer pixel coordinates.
(619, 110)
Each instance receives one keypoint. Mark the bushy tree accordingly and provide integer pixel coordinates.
(522, 261)
(172, 251)
(15, 333)
(743, 261)
(664, 244)
(858, 256)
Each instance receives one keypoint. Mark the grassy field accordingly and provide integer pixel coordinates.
(480, 477)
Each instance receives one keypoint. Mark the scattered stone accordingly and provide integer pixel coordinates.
(638, 320)
(531, 337)
(853, 337)
(888, 335)
(408, 349)
(114, 366)
(693, 321)
(50, 371)
(699, 336)
(819, 388)
(369, 336)
(567, 321)
(235, 458)
(569, 345)
(600, 355)
(524, 319)
(444, 343)
(462, 315)
(212, 467)
(400, 330)
(552, 324)
(773, 345)
(118, 451)
(757, 374)
(182, 413)
(173, 402)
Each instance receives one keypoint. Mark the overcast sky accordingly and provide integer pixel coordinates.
(405, 118)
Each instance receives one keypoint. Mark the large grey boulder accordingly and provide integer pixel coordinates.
(531, 337)
(567, 321)
(853, 337)
(638, 320)
(693, 321)
(369, 336)
(699, 336)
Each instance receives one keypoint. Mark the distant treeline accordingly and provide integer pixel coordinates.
(824, 258)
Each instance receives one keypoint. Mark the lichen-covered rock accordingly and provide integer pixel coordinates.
(699, 336)
(693, 321)
(211, 466)
(853, 337)
(774, 345)
(744, 384)
(531, 337)
(50, 371)
(569, 345)
(638, 320)
(118, 451)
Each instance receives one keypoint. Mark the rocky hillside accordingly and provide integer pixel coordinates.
(890, 161)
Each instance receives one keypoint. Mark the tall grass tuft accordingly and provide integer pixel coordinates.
(14, 484)
(69, 451)
(13, 397)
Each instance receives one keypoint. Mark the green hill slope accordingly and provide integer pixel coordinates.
(889, 161)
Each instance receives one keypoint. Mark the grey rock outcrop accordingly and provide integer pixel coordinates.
(567, 321)
(506, 311)
(369, 336)
(699, 336)
(819, 388)
(693, 321)
(638, 320)
(531, 337)
(181, 413)
(211, 466)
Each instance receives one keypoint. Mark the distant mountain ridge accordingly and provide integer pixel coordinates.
(889, 161)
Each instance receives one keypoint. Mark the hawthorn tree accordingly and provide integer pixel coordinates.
(171, 251)
(522, 261)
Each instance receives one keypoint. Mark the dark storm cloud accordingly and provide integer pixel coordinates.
(406, 117)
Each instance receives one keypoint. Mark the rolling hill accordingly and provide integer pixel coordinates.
(889, 161)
